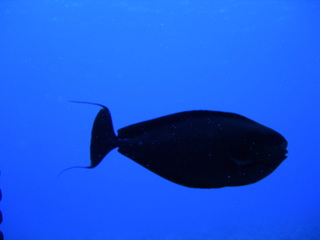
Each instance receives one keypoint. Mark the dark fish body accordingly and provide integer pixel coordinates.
(200, 149)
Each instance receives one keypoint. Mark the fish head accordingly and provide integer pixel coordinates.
(264, 147)
(268, 147)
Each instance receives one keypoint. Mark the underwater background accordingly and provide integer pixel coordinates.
(145, 59)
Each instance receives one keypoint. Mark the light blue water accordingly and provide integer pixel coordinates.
(145, 59)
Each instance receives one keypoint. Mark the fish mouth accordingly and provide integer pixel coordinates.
(282, 150)
(274, 155)
(284, 146)
(284, 155)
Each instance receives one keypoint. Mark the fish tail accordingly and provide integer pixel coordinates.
(103, 138)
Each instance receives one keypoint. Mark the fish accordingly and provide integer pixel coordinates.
(197, 149)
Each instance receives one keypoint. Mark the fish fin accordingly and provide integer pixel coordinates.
(103, 138)
(69, 168)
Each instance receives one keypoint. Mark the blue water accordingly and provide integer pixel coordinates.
(145, 59)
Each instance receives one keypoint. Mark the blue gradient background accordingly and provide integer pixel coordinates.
(145, 59)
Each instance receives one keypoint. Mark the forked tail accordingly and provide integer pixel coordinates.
(103, 138)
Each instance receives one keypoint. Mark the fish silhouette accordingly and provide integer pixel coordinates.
(198, 149)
